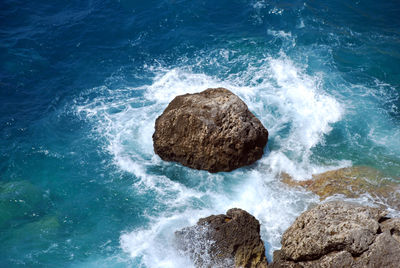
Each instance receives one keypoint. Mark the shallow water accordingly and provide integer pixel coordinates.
(82, 84)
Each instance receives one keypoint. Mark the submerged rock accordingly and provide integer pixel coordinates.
(340, 234)
(18, 199)
(45, 227)
(351, 182)
(39, 234)
(231, 240)
(212, 130)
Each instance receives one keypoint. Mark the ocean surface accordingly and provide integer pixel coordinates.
(82, 82)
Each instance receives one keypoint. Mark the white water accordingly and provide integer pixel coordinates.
(291, 104)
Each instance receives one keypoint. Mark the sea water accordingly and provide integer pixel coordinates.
(82, 82)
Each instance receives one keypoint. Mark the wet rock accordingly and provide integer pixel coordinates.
(231, 240)
(340, 234)
(351, 182)
(212, 130)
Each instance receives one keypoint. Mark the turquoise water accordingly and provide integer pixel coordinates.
(81, 84)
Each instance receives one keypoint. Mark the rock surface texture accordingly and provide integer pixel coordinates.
(212, 130)
(351, 182)
(340, 234)
(231, 240)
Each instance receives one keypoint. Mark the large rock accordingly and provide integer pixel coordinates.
(340, 234)
(351, 182)
(212, 130)
(231, 240)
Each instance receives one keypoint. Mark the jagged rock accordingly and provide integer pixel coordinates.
(341, 259)
(231, 240)
(351, 182)
(212, 130)
(340, 234)
(384, 252)
(393, 227)
(331, 227)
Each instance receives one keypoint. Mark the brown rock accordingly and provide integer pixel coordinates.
(212, 130)
(340, 234)
(231, 240)
(341, 259)
(351, 182)
(393, 227)
(384, 252)
(333, 226)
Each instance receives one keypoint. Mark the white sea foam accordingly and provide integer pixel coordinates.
(290, 103)
(279, 33)
(301, 24)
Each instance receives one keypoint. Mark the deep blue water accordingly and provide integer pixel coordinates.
(81, 83)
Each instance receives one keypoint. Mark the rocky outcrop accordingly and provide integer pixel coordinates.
(212, 130)
(340, 234)
(231, 240)
(351, 182)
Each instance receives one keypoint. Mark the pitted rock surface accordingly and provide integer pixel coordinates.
(340, 234)
(212, 130)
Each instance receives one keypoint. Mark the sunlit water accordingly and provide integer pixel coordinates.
(82, 84)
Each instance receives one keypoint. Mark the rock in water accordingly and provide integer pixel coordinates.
(351, 182)
(231, 240)
(340, 234)
(212, 130)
